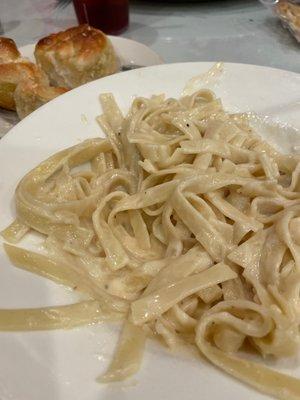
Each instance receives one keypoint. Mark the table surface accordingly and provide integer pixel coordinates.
(237, 31)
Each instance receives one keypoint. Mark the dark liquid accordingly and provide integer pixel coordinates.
(111, 16)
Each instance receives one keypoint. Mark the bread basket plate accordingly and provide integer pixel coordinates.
(63, 365)
(129, 53)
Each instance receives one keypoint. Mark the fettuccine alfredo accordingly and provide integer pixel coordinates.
(183, 223)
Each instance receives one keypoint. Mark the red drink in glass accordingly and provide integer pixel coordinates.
(111, 16)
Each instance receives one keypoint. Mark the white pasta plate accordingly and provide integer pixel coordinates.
(63, 365)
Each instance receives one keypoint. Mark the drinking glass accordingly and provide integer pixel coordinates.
(110, 16)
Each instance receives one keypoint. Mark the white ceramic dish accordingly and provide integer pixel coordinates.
(129, 52)
(63, 365)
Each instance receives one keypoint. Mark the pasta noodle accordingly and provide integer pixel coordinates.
(85, 312)
(183, 223)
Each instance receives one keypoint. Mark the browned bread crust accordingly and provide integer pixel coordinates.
(11, 74)
(23, 85)
(76, 56)
(30, 95)
(8, 50)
